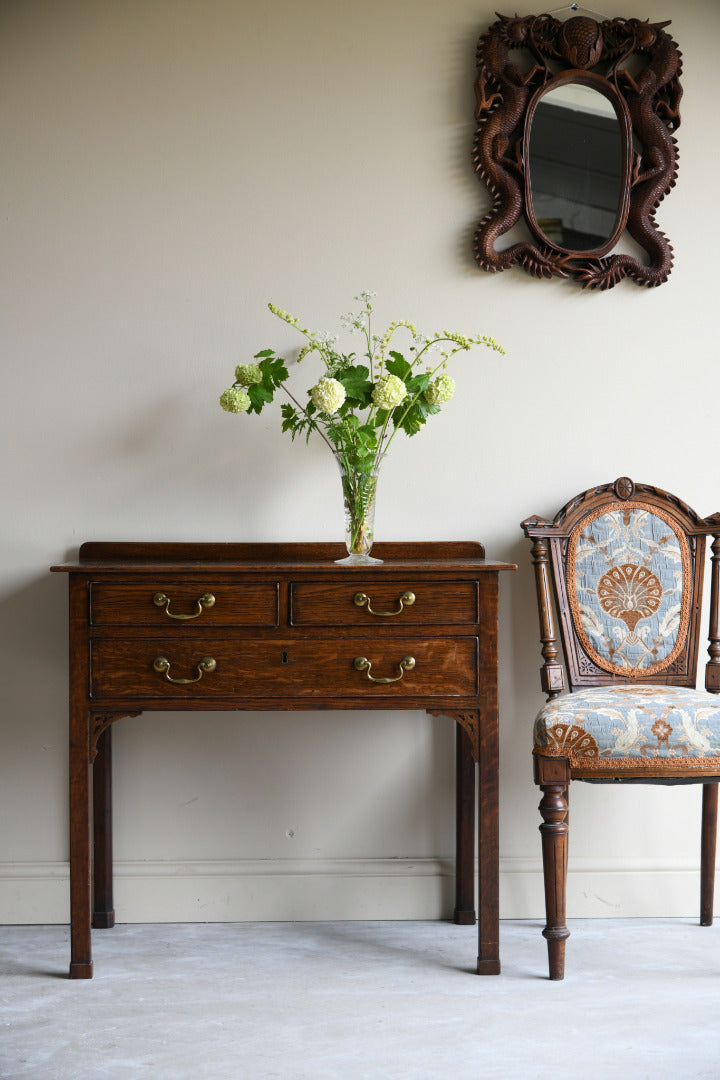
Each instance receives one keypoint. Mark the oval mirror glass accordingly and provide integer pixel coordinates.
(576, 184)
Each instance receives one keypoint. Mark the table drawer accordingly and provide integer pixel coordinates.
(167, 602)
(384, 603)
(283, 669)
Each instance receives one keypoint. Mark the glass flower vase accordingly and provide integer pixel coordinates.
(359, 490)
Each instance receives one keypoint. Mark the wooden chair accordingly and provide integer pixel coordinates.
(625, 564)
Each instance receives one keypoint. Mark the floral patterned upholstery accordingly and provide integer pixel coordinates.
(634, 725)
(629, 588)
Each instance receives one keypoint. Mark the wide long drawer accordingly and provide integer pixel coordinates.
(179, 603)
(181, 667)
(385, 603)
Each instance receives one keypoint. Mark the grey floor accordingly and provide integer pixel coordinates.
(310, 1001)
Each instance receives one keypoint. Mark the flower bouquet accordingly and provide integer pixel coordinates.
(359, 404)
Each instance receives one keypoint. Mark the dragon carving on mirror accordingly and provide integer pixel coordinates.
(636, 66)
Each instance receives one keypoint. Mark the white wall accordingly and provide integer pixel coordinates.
(167, 167)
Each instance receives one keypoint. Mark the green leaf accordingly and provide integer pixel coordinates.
(259, 396)
(295, 422)
(418, 384)
(273, 372)
(357, 385)
(367, 438)
(415, 417)
(398, 366)
(264, 352)
(290, 418)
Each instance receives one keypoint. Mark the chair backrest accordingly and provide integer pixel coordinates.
(625, 562)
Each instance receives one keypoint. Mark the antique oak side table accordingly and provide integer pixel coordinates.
(281, 626)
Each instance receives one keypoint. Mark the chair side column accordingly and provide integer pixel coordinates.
(551, 673)
(712, 671)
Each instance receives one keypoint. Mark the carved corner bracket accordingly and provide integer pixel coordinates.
(99, 723)
(469, 721)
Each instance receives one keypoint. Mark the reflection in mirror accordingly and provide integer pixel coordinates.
(575, 167)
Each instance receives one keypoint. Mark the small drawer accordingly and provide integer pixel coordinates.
(178, 668)
(384, 603)
(184, 603)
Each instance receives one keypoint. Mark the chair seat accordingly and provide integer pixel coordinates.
(635, 725)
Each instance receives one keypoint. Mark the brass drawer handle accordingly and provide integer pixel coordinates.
(361, 599)
(361, 663)
(161, 599)
(162, 665)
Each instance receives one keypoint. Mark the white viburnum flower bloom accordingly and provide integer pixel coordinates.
(328, 395)
(234, 401)
(389, 391)
(247, 374)
(440, 390)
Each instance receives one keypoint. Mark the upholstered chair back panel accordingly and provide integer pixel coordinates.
(629, 588)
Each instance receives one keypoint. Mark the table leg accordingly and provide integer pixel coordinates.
(464, 830)
(80, 872)
(488, 848)
(103, 911)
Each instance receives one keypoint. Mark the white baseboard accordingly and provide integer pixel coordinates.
(607, 888)
(339, 889)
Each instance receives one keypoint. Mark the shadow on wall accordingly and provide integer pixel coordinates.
(520, 652)
(273, 775)
(180, 469)
(33, 718)
(33, 645)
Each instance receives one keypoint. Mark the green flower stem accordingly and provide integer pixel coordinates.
(368, 338)
(358, 497)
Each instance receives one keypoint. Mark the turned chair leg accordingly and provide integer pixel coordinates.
(708, 845)
(554, 832)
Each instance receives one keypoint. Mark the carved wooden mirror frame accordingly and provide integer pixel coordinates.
(637, 66)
